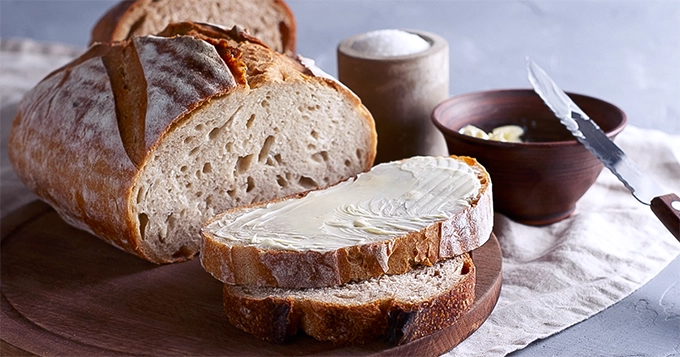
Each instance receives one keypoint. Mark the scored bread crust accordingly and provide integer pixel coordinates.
(270, 20)
(87, 137)
(241, 264)
(277, 314)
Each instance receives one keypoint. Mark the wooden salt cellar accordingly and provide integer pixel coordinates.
(400, 92)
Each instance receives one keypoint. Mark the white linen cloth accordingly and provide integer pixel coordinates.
(553, 276)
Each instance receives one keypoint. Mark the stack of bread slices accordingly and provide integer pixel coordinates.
(384, 254)
(204, 138)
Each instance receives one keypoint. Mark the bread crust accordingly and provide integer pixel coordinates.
(277, 319)
(80, 140)
(250, 265)
(123, 20)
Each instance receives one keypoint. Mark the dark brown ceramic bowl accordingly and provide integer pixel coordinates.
(537, 181)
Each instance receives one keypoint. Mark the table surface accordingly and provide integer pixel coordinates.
(625, 52)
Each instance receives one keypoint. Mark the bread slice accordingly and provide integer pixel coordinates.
(400, 308)
(140, 142)
(396, 217)
(271, 21)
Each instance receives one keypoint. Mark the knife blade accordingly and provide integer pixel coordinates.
(666, 206)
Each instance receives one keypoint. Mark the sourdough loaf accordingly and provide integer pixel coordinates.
(269, 20)
(400, 308)
(140, 142)
(389, 220)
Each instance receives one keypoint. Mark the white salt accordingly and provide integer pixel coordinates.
(389, 43)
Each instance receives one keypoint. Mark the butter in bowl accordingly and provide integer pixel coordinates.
(539, 175)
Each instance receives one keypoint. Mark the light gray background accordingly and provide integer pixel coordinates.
(626, 52)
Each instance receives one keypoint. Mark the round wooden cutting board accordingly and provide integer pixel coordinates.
(65, 292)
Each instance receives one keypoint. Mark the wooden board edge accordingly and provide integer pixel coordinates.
(22, 216)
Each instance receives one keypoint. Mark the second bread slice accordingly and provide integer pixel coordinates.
(394, 218)
(401, 308)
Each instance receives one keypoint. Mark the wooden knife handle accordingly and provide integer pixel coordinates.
(667, 209)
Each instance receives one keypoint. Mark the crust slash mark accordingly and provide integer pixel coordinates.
(127, 75)
(135, 26)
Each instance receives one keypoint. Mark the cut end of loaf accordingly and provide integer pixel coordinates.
(249, 146)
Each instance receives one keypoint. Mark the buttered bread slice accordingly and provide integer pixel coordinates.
(395, 217)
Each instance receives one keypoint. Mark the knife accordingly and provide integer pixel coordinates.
(666, 206)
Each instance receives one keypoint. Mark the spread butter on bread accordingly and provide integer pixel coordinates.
(390, 220)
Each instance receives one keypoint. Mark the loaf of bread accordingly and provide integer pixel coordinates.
(140, 142)
(395, 217)
(271, 21)
(400, 308)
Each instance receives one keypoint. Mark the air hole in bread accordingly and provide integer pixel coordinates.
(250, 184)
(311, 147)
(184, 168)
(278, 159)
(348, 163)
(188, 140)
(140, 195)
(207, 168)
(315, 134)
(193, 151)
(308, 183)
(283, 183)
(264, 103)
(231, 193)
(214, 133)
(143, 221)
(264, 152)
(229, 147)
(359, 154)
(250, 121)
(170, 223)
(465, 270)
(321, 156)
(182, 252)
(243, 163)
(199, 127)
